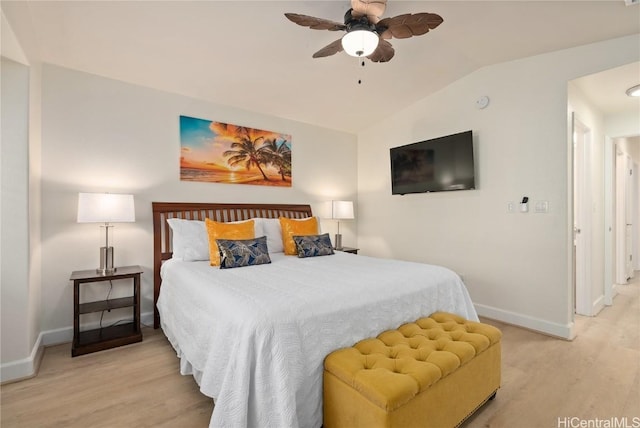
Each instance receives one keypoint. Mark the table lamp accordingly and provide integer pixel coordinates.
(106, 208)
(341, 210)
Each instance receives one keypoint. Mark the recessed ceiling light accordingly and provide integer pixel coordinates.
(634, 91)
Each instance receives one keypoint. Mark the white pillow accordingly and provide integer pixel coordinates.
(270, 227)
(191, 241)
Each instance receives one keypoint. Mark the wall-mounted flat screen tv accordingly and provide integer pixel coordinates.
(437, 165)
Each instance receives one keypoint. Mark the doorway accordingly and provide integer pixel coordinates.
(591, 98)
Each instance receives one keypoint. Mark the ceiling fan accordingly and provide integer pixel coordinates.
(367, 32)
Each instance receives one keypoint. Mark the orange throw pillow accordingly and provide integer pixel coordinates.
(217, 230)
(292, 227)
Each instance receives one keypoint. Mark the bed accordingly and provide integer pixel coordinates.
(254, 338)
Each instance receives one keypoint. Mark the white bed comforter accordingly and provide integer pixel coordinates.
(255, 337)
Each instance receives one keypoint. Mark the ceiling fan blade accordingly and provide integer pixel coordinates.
(383, 53)
(372, 9)
(330, 49)
(408, 25)
(315, 23)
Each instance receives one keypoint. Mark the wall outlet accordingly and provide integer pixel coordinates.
(511, 207)
(541, 207)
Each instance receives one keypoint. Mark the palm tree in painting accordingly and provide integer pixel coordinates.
(246, 152)
(278, 155)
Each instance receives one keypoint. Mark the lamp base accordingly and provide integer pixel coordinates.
(106, 261)
(338, 241)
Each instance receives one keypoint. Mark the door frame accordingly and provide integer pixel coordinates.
(609, 220)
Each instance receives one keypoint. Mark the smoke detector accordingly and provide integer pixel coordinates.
(630, 2)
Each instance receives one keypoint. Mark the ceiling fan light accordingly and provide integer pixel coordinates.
(360, 43)
(634, 91)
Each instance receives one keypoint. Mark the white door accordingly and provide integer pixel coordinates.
(628, 232)
(624, 220)
(635, 215)
(581, 218)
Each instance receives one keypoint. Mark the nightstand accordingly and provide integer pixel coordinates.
(348, 250)
(88, 341)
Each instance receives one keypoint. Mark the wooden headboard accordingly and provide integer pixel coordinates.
(162, 237)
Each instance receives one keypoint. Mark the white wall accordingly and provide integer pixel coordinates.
(17, 339)
(21, 284)
(35, 205)
(104, 135)
(516, 266)
(623, 125)
(10, 48)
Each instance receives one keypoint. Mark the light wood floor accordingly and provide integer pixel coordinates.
(595, 376)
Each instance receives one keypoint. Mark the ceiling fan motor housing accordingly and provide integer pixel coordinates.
(354, 24)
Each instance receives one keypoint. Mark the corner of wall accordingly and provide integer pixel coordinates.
(11, 48)
(25, 368)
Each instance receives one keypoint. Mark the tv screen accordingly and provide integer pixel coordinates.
(437, 165)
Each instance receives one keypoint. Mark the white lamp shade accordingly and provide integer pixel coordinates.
(105, 208)
(342, 210)
(360, 42)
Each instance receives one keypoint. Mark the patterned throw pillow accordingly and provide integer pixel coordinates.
(243, 252)
(313, 245)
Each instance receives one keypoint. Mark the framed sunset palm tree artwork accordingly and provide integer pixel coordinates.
(218, 152)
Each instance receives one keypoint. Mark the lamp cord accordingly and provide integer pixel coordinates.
(109, 309)
(107, 300)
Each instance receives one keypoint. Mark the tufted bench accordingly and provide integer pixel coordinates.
(434, 372)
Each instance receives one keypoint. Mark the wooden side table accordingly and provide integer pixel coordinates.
(348, 250)
(88, 341)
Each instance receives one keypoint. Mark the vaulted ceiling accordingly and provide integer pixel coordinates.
(246, 54)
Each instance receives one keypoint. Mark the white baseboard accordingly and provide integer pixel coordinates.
(597, 306)
(525, 321)
(24, 368)
(28, 367)
(614, 291)
(57, 336)
(147, 319)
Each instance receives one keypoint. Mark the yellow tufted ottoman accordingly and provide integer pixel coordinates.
(434, 372)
